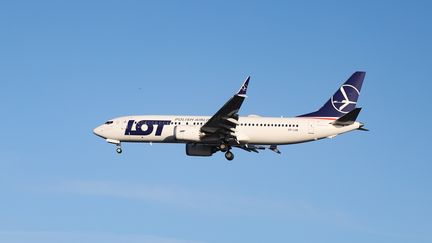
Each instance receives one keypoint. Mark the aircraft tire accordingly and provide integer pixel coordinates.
(229, 155)
(119, 150)
(223, 147)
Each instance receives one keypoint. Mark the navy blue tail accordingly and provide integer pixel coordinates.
(344, 100)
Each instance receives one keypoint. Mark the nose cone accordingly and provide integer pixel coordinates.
(99, 131)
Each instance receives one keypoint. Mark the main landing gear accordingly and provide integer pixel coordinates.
(229, 155)
(225, 148)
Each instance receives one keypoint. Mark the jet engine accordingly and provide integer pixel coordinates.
(200, 149)
(187, 133)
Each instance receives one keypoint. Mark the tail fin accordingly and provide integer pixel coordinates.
(344, 100)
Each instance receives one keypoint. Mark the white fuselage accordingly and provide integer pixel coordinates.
(250, 130)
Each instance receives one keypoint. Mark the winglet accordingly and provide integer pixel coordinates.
(244, 87)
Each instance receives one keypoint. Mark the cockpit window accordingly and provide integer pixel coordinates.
(109, 122)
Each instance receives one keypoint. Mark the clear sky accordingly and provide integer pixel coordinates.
(68, 66)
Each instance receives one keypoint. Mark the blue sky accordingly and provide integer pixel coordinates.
(67, 66)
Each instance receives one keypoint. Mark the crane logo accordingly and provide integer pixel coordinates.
(345, 98)
(244, 88)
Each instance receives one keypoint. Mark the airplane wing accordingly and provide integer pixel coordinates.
(221, 126)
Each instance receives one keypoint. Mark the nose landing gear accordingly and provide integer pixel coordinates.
(117, 144)
(119, 149)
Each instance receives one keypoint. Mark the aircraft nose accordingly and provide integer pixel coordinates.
(99, 131)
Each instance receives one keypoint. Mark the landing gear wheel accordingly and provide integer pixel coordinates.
(229, 155)
(119, 150)
(223, 147)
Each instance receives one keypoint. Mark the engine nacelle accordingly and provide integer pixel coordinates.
(200, 149)
(187, 133)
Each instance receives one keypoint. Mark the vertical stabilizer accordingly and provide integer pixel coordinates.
(344, 100)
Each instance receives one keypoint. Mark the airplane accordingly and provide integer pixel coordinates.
(225, 130)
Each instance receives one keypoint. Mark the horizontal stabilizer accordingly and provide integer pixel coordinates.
(361, 128)
(348, 118)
